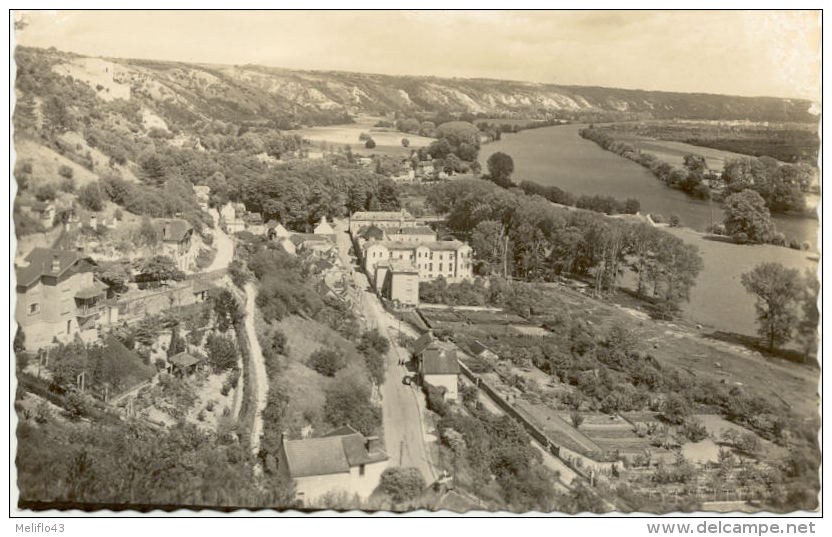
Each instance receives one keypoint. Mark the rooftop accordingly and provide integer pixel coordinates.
(422, 343)
(451, 246)
(437, 361)
(40, 263)
(334, 453)
(381, 215)
(183, 359)
(172, 229)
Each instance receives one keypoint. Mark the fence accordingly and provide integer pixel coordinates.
(533, 430)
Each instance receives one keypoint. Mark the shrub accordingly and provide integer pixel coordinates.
(576, 418)
(435, 399)
(674, 221)
(402, 484)
(347, 401)
(46, 192)
(740, 238)
(370, 144)
(326, 362)
(222, 352)
(68, 185)
(65, 171)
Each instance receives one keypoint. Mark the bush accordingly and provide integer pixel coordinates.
(402, 484)
(347, 401)
(68, 185)
(674, 221)
(435, 399)
(45, 193)
(65, 171)
(326, 362)
(740, 238)
(370, 144)
(222, 352)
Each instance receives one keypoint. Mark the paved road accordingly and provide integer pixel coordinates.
(402, 407)
(259, 381)
(224, 245)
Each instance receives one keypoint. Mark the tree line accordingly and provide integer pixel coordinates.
(526, 237)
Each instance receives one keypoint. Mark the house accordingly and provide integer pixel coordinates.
(322, 246)
(57, 297)
(184, 364)
(275, 231)
(415, 234)
(231, 217)
(481, 351)
(203, 195)
(343, 461)
(452, 260)
(254, 224)
(323, 228)
(176, 236)
(423, 343)
(44, 212)
(288, 246)
(200, 290)
(381, 219)
(439, 367)
(398, 282)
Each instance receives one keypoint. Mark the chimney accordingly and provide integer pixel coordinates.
(373, 444)
(56, 264)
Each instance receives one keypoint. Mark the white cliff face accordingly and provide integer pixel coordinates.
(263, 90)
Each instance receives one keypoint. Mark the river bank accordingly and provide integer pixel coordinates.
(558, 156)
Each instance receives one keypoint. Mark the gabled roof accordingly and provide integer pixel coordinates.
(422, 343)
(172, 229)
(97, 289)
(413, 230)
(334, 453)
(439, 362)
(381, 215)
(371, 232)
(183, 359)
(478, 348)
(40, 264)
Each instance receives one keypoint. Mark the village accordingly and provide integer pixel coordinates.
(182, 363)
(361, 294)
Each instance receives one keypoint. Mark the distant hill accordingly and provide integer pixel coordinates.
(184, 92)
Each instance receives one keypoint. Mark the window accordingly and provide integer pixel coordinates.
(361, 470)
(34, 308)
(440, 267)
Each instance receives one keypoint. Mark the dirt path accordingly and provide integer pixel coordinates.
(259, 381)
(224, 245)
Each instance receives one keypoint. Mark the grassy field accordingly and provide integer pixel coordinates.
(388, 141)
(673, 152)
(718, 298)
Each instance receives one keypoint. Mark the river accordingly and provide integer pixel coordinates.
(558, 156)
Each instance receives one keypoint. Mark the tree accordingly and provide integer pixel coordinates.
(576, 418)
(159, 269)
(222, 352)
(778, 291)
(327, 362)
(65, 171)
(808, 327)
(746, 212)
(226, 309)
(46, 193)
(147, 234)
(347, 402)
(91, 196)
(370, 143)
(177, 343)
(500, 168)
(405, 142)
(153, 171)
(402, 484)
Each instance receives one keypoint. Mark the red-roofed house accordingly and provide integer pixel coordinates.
(342, 461)
(57, 297)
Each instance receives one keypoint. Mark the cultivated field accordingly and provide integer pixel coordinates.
(388, 141)
(673, 152)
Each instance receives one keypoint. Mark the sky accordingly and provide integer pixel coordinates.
(750, 53)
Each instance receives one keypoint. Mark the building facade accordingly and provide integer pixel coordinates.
(343, 461)
(57, 298)
(452, 260)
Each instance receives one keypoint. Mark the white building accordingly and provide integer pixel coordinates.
(343, 461)
(452, 260)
